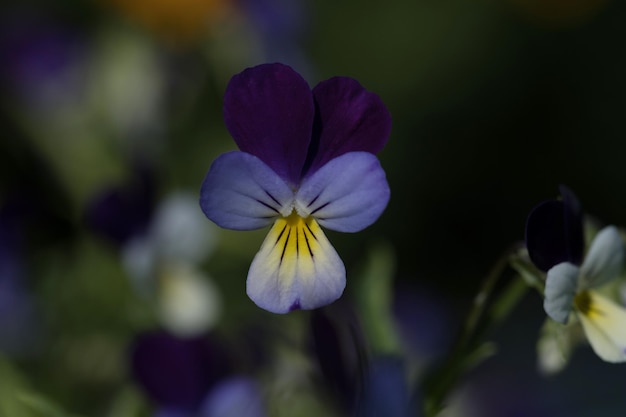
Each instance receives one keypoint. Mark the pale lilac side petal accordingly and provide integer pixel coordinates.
(347, 194)
(349, 118)
(605, 258)
(240, 192)
(269, 110)
(561, 282)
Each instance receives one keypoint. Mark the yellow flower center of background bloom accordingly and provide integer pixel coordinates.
(583, 303)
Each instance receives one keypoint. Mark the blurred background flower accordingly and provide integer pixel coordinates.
(21, 324)
(115, 109)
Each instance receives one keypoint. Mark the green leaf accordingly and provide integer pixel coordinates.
(374, 299)
(18, 400)
(39, 406)
(522, 264)
(129, 402)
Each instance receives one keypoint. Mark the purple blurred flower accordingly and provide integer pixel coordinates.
(423, 324)
(176, 373)
(119, 213)
(509, 391)
(20, 322)
(187, 377)
(339, 348)
(358, 385)
(43, 60)
(307, 159)
(386, 390)
(281, 26)
(236, 396)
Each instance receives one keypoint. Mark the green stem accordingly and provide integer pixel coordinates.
(468, 350)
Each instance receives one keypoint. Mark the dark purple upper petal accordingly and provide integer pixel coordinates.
(573, 221)
(554, 232)
(268, 110)
(177, 372)
(348, 118)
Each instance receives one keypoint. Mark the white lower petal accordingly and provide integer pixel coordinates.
(604, 323)
(296, 268)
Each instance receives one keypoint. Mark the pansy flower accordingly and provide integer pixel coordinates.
(307, 159)
(555, 242)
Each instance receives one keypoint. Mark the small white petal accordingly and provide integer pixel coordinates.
(189, 302)
(552, 358)
(139, 259)
(556, 345)
(604, 323)
(296, 268)
(180, 229)
(561, 283)
(604, 259)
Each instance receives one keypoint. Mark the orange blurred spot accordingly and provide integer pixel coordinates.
(560, 13)
(175, 21)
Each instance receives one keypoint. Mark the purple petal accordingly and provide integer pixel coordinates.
(554, 232)
(347, 194)
(573, 221)
(268, 110)
(177, 372)
(241, 192)
(348, 118)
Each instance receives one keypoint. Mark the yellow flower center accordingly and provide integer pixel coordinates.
(583, 303)
(296, 235)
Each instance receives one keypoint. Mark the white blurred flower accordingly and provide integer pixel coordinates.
(163, 264)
